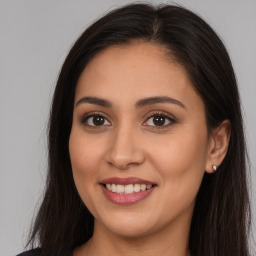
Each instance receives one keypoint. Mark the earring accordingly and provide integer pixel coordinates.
(214, 167)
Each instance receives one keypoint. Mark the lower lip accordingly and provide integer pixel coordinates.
(125, 199)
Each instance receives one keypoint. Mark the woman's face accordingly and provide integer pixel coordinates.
(139, 143)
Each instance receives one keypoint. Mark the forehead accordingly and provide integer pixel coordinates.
(134, 71)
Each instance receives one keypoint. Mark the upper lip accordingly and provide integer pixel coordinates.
(126, 181)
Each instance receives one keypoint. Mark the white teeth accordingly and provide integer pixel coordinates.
(113, 187)
(136, 187)
(109, 186)
(127, 189)
(120, 189)
(143, 187)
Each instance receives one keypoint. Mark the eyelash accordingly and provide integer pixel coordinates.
(162, 114)
(85, 119)
(166, 116)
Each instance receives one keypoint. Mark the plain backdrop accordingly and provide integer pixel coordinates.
(35, 37)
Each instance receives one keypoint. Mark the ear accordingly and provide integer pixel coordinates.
(218, 146)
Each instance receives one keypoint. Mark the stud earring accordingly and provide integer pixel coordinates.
(214, 167)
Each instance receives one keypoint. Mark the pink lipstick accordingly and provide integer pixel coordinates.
(126, 190)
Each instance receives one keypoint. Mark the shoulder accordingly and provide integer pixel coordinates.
(33, 252)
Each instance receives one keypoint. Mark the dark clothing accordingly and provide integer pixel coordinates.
(34, 252)
(38, 252)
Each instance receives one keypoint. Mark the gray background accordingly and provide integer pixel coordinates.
(35, 37)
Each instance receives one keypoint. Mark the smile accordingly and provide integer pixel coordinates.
(126, 190)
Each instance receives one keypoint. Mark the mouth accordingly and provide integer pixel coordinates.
(126, 190)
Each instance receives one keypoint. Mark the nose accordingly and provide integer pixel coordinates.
(125, 149)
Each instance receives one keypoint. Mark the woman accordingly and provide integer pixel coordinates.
(146, 144)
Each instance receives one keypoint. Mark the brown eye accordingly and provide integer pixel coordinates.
(159, 121)
(96, 120)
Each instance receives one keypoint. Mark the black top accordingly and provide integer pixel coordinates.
(39, 252)
(34, 252)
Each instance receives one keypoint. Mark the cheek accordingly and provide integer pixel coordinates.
(81, 158)
(85, 153)
(181, 162)
(85, 162)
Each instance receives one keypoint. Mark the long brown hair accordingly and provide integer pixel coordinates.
(221, 215)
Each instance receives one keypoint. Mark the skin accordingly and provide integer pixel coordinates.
(128, 143)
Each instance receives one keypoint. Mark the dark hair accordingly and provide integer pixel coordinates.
(222, 214)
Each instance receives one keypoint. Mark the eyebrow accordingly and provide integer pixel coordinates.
(154, 100)
(139, 104)
(95, 101)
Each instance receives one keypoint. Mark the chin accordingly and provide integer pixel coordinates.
(129, 226)
(129, 230)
